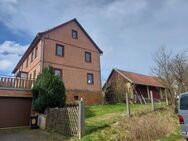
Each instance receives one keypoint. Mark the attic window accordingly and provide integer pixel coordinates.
(74, 34)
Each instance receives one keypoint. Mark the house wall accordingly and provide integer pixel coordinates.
(35, 64)
(89, 97)
(73, 65)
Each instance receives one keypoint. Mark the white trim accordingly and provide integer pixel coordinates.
(123, 75)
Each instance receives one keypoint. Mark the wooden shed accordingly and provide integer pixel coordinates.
(141, 85)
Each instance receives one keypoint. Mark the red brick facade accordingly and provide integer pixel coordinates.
(72, 64)
(89, 97)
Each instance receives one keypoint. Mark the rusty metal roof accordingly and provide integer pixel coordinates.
(141, 79)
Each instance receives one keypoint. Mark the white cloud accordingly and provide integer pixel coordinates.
(5, 65)
(128, 31)
(10, 47)
(10, 53)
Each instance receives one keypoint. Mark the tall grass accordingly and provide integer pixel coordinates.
(149, 127)
(145, 127)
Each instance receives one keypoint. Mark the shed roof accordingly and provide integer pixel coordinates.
(141, 79)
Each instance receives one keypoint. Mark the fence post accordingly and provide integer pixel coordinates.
(166, 98)
(128, 107)
(81, 121)
(152, 104)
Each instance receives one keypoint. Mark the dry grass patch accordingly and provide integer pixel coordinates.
(147, 127)
(150, 126)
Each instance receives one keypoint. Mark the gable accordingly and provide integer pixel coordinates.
(135, 78)
(63, 33)
(142, 79)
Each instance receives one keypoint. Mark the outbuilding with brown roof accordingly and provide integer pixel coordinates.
(141, 85)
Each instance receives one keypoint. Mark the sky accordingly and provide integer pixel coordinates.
(128, 31)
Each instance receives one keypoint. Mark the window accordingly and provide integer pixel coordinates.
(34, 74)
(58, 72)
(90, 79)
(184, 102)
(32, 55)
(75, 98)
(30, 76)
(74, 34)
(59, 50)
(27, 60)
(88, 57)
(36, 52)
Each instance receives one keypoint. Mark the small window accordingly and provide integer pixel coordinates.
(75, 98)
(27, 60)
(34, 74)
(30, 76)
(58, 72)
(90, 78)
(32, 55)
(88, 57)
(74, 34)
(36, 52)
(59, 50)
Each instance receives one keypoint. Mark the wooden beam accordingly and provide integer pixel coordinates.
(148, 92)
(161, 94)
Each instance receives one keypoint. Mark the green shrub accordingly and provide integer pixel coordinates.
(48, 91)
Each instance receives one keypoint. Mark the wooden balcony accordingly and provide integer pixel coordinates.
(15, 82)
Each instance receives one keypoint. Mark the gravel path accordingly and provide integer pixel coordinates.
(26, 134)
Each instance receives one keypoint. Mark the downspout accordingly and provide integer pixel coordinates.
(102, 93)
(100, 72)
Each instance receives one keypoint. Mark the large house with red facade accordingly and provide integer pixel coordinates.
(74, 56)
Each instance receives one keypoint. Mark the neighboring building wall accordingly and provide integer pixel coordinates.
(141, 89)
(156, 92)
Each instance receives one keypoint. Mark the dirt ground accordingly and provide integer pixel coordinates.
(26, 134)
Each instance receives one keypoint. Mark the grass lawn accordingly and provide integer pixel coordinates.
(102, 116)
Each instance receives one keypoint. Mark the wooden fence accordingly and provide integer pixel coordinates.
(68, 120)
(15, 82)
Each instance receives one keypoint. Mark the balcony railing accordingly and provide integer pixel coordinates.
(15, 82)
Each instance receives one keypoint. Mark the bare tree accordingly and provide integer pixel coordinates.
(173, 72)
